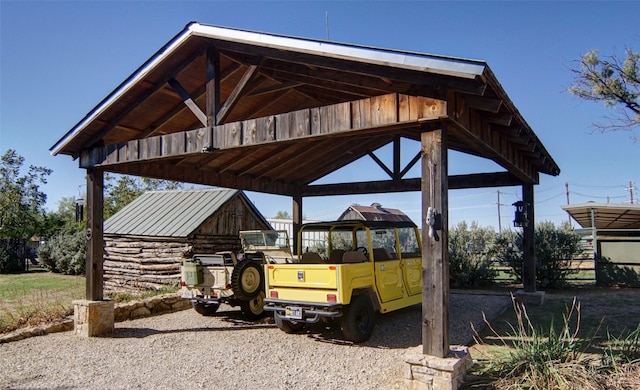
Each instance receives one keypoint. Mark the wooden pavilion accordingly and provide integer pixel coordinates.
(270, 113)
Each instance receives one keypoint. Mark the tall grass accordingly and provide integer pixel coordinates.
(622, 350)
(540, 359)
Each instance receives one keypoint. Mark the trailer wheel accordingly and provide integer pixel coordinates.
(206, 309)
(247, 279)
(285, 325)
(358, 319)
(253, 309)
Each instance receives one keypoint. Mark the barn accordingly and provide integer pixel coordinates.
(375, 212)
(146, 241)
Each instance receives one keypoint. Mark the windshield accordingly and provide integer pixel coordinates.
(268, 239)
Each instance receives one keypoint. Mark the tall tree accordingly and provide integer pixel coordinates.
(614, 81)
(21, 200)
(282, 214)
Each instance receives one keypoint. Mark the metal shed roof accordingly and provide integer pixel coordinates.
(376, 212)
(169, 213)
(606, 215)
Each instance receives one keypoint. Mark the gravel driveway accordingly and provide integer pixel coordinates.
(186, 350)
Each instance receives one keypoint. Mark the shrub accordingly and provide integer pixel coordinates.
(12, 255)
(65, 252)
(554, 248)
(469, 255)
(543, 359)
(9, 261)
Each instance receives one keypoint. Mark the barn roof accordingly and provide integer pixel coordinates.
(171, 213)
(271, 113)
(605, 215)
(375, 212)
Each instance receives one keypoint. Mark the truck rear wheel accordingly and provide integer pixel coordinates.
(206, 309)
(358, 319)
(247, 279)
(285, 325)
(253, 309)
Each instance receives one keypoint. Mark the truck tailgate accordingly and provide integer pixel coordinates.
(321, 276)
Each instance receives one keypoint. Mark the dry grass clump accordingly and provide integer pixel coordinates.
(40, 307)
(558, 358)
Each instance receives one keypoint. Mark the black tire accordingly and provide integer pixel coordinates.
(206, 309)
(358, 319)
(285, 325)
(247, 279)
(253, 309)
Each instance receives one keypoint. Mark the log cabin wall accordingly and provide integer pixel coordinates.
(153, 263)
(138, 262)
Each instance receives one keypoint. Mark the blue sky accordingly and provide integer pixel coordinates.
(59, 59)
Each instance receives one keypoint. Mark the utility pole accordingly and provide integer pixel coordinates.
(631, 190)
(499, 219)
(566, 185)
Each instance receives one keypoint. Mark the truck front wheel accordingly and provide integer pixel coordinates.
(358, 319)
(285, 325)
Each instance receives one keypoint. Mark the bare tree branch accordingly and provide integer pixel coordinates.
(614, 81)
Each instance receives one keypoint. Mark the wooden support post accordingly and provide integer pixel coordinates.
(212, 89)
(95, 250)
(435, 263)
(297, 220)
(528, 248)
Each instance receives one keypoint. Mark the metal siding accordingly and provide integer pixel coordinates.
(167, 213)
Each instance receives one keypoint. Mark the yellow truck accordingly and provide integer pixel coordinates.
(346, 271)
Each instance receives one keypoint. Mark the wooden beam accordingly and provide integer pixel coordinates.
(297, 219)
(156, 126)
(528, 242)
(94, 235)
(236, 94)
(359, 188)
(212, 86)
(188, 101)
(483, 103)
(494, 151)
(206, 177)
(355, 69)
(381, 164)
(456, 182)
(367, 116)
(157, 87)
(435, 256)
(274, 88)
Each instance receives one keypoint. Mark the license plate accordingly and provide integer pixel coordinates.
(293, 312)
(184, 293)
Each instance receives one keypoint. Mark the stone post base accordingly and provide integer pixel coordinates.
(532, 298)
(93, 318)
(433, 373)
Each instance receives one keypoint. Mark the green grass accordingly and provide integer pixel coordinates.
(37, 296)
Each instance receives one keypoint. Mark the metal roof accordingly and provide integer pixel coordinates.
(606, 215)
(269, 113)
(169, 213)
(450, 66)
(376, 212)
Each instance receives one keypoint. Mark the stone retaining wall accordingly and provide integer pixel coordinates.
(122, 312)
